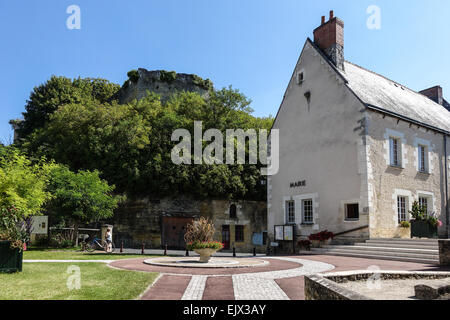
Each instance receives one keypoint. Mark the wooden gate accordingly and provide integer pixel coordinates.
(173, 230)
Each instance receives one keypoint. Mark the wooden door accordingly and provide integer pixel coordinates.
(226, 237)
(173, 231)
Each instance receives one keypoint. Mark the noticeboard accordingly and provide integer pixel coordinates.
(279, 233)
(288, 233)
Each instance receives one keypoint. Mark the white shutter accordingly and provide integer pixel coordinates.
(391, 151)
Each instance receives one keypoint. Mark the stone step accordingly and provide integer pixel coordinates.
(349, 250)
(399, 245)
(434, 252)
(356, 254)
(415, 240)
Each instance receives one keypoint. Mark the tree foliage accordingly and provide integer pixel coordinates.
(80, 197)
(131, 144)
(22, 183)
(58, 91)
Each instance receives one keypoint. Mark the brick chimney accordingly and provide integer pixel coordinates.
(330, 38)
(435, 94)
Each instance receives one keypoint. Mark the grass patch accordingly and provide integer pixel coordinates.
(72, 254)
(48, 281)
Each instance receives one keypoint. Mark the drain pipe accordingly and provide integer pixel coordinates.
(447, 218)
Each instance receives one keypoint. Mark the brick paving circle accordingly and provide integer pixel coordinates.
(215, 263)
(139, 265)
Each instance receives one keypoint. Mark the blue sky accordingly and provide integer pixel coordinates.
(252, 44)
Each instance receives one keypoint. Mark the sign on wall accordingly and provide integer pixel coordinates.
(288, 233)
(39, 224)
(279, 233)
(257, 239)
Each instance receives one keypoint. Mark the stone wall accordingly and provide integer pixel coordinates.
(141, 220)
(154, 81)
(444, 253)
(387, 182)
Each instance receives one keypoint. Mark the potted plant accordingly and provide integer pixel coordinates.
(199, 237)
(318, 239)
(422, 225)
(11, 241)
(404, 230)
(305, 245)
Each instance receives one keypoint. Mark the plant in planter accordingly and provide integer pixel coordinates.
(320, 238)
(423, 225)
(304, 245)
(11, 241)
(199, 237)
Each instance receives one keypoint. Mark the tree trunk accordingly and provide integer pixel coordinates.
(75, 232)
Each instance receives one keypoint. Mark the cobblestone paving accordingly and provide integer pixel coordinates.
(195, 289)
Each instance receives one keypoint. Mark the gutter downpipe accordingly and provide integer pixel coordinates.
(447, 222)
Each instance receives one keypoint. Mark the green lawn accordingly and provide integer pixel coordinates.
(48, 281)
(71, 254)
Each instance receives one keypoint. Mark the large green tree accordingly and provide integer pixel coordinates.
(58, 91)
(80, 198)
(131, 144)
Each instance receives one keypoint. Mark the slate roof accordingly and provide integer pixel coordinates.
(386, 95)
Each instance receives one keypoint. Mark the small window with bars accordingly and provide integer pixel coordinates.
(423, 159)
(401, 209)
(290, 212)
(308, 213)
(395, 154)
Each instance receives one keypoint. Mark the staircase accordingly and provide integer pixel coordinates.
(408, 250)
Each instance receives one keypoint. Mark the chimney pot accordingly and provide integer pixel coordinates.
(323, 19)
(331, 14)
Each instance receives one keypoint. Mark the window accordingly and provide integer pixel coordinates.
(352, 212)
(290, 212)
(423, 167)
(233, 211)
(395, 154)
(401, 208)
(300, 78)
(423, 203)
(308, 214)
(239, 234)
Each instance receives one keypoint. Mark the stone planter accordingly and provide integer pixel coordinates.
(315, 243)
(403, 233)
(10, 259)
(422, 229)
(205, 254)
(326, 242)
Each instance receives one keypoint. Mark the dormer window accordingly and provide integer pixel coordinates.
(300, 77)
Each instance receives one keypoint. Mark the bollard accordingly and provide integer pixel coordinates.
(165, 250)
(143, 247)
(268, 250)
(187, 252)
(254, 252)
(121, 247)
(234, 252)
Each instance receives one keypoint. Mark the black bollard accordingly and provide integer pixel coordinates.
(143, 247)
(121, 247)
(234, 252)
(165, 250)
(187, 252)
(268, 250)
(254, 252)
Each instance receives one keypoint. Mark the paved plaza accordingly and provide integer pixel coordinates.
(280, 278)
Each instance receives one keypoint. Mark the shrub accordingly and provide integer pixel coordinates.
(168, 76)
(405, 224)
(204, 245)
(322, 236)
(418, 213)
(199, 235)
(304, 243)
(9, 231)
(133, 75)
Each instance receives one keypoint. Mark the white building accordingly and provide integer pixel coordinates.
(356, 149)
